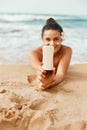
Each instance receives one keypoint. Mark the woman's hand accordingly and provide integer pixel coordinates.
(45, 78)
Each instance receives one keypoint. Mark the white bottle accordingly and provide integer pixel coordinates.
(48, 57)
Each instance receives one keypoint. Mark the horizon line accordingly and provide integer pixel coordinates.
(36, 13)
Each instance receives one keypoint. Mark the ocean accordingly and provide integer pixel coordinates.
(20, 33)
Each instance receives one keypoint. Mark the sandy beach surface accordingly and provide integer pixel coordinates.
(24, 107)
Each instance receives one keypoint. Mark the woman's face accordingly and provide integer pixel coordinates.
(52, 37)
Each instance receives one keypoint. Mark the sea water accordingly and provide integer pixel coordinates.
(20, 33)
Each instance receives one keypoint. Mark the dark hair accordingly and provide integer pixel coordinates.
(51, 24)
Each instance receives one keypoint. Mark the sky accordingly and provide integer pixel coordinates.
(69, 7)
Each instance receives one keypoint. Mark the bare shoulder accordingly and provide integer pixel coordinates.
(35, 55)
(67, 49)
(36, 51)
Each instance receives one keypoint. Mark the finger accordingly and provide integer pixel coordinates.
(41, 86)
(54, 69)
(41, 79)
(42, 70)
(41, 74)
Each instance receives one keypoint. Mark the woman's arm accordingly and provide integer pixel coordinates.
(51, 79)
(34, 59)
(62, 68)
(64, 62)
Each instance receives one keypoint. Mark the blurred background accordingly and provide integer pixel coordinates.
(21, 23)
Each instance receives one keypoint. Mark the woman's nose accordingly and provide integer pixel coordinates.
(52, 43)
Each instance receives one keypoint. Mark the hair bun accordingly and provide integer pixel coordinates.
(50, 20)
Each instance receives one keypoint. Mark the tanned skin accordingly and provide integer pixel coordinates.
(62, 57)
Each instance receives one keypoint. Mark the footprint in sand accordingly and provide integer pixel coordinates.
(78, 125)
(16, 98)
(4, 83)
(38, 104)
(31, 78)
(7, 113)
(3, 91)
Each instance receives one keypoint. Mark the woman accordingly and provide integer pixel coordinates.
(52, 34)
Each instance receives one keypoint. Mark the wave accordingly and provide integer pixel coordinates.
(7, 31)
(39, 18)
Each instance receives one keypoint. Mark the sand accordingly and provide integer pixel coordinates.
(24, 107)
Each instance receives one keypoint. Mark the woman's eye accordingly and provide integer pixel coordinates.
(47, 39)
(56, 40)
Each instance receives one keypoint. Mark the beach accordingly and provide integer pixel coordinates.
(23, 106)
